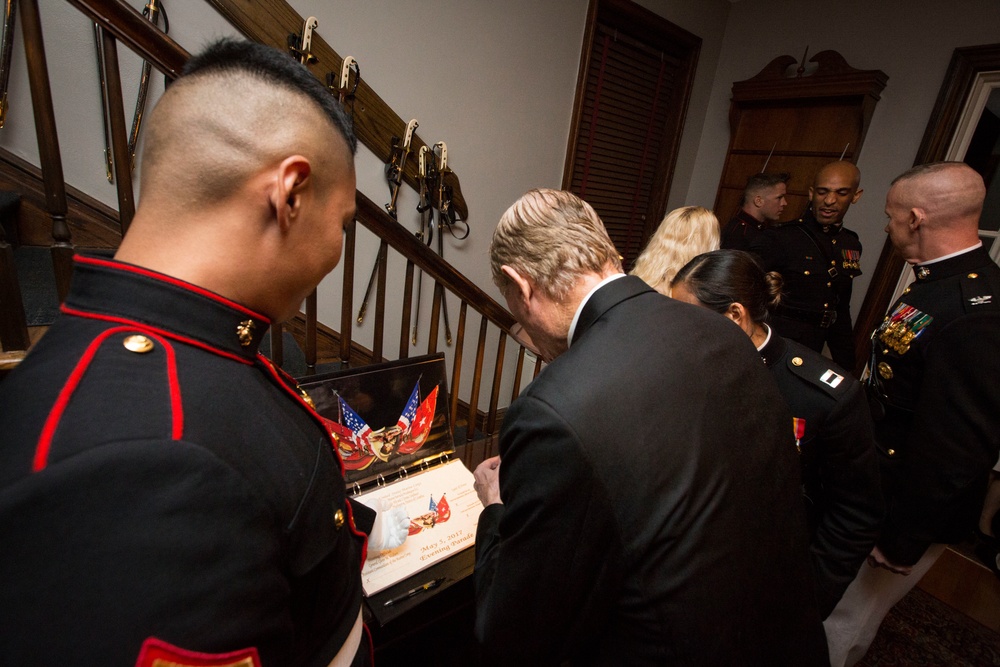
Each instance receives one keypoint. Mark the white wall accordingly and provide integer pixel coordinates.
(911, 41)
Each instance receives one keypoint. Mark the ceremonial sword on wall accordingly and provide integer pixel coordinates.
(105, 118)
(444, 222)
(150, 11)
(394, 176)
(426, 170)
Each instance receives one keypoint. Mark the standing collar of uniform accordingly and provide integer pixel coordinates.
(810, 219)
(586, 298)
(114, 291)
(773, 348)
(750, 220)
(952, 264)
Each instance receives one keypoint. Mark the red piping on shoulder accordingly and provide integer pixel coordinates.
(154, 330)
(44, 445)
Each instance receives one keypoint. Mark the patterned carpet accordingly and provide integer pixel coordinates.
(921, 630)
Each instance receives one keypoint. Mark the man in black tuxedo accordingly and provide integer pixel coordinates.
(634, 519)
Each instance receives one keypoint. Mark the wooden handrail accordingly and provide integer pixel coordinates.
(137, 33)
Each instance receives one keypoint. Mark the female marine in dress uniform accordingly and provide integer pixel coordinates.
(831, 421)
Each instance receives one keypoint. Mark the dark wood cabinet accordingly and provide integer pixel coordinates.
(796, 118)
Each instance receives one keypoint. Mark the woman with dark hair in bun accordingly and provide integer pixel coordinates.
(832, 424)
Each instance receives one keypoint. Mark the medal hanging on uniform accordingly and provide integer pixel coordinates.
(851, 259)
(903, 327)
(799, 427)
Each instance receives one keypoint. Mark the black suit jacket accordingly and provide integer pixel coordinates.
(652, 512)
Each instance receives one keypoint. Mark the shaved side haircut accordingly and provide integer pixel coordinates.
(762, 181)
(200, 149)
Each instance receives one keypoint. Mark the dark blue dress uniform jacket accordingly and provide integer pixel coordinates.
(840, 476)
(652, 508)
(160, 479)
(741, 231)
(936, 403)
(818, 266)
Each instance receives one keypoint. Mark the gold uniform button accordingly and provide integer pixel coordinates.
(891, 452)
(805, 273)
(796, 361)
(905, 291)
(138, 343)
(338, 519)
(973, 276)
(885, 370)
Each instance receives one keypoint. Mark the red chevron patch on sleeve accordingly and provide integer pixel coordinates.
(158, 653)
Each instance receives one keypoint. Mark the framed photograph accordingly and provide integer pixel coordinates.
(388, 420)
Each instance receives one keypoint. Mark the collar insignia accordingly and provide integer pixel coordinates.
(831, 378)
(244, 331)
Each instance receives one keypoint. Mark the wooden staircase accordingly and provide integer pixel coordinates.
(55, 215)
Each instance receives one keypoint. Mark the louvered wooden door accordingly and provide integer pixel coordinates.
(635, 79)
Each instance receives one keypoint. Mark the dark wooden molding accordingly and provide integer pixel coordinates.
(833, 77)
(91, 223)
(966, 64)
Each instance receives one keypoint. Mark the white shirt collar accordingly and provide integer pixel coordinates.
(766, 340)
(954, 254)
(579, 309)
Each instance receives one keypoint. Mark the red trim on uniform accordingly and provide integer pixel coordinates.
(52, 421)
(155, 330)
(44, 445)
(276, 374)
(158, 652)
(173, 382)
(111, 264)
(371, 644)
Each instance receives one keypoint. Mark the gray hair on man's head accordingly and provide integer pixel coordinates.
(553, 237)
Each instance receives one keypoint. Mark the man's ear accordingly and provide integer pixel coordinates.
(915, 218)
(521, 283)
(857, 195)
(758, 201)
(292, 178)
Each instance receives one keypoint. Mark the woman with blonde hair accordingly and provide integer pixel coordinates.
(684, 233)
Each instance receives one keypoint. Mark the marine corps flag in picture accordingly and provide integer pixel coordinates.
(360, 446)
